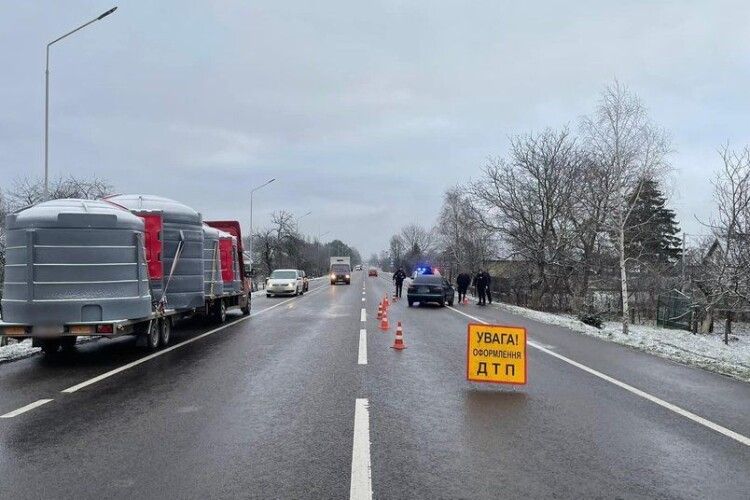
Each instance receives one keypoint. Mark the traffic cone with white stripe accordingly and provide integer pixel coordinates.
(466, 300)
(380, 310)
(384, 322)
(385, 301)
(398, 342)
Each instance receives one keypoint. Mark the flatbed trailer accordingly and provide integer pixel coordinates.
(155, 329)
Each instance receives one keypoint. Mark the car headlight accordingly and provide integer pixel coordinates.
(333, 276)
(347, 276)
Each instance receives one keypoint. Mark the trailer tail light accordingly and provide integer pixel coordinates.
(105, 329)
(227, 259)
(81, 329)
(153, 244)
(14, 330)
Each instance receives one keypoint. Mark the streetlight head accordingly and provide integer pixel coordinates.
(272, 180)
(106, 13)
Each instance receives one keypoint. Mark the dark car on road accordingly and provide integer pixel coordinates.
(430, 288)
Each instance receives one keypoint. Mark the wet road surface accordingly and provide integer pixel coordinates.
(288, 404)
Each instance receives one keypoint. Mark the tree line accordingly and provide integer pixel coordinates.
(280, 245)
(577, 219)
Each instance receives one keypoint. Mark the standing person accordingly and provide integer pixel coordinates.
(488, 287)
(398, 278)
(481, 287)
(463, 280)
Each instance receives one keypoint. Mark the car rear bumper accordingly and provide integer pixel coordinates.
(425, 297)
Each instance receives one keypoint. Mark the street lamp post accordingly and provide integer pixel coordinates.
(302, 217)
(46, 97)
(252, 191)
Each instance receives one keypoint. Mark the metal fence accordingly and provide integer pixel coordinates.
(674, 310)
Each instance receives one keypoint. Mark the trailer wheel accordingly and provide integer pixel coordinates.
(50, 346)
(220, 312)
(152, 335)
(68, 343)
(246, 308)
(165, 331)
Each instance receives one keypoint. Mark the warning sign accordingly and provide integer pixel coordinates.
(496, 353)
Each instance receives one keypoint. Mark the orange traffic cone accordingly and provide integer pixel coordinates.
(385, 300)
(384, 322)
(466, 300)
(398, 343)
(380, 310)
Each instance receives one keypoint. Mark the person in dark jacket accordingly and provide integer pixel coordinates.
(398, 278)
(463, 280)
(488, 286)
(481, 287)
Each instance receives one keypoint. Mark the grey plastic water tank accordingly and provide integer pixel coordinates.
(180, 224)
(71, 261)
(213, 284)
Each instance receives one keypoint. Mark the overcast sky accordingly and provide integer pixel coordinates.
(364, 113)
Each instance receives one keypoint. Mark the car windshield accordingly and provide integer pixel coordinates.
(283, 275)
(428, 279)
(340, 268)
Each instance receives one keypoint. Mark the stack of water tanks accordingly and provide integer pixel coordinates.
(72, 261)
(176, 235)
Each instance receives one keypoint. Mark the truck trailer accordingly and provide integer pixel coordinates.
(125, 265)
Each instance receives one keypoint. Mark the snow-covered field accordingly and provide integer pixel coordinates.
(706, 351)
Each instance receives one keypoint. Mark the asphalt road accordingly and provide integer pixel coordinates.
(281, 405)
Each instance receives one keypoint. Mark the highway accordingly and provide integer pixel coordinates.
(288, 403)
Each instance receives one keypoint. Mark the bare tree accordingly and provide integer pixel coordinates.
(464, 241)
(26, 191)
(723, 275)
(527, 200)
(621, 139)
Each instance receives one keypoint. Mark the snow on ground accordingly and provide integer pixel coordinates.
(17, 350)
(705, 351)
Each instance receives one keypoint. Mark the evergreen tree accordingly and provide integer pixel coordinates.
(652, 227)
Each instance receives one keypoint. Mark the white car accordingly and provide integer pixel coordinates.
(285, 282)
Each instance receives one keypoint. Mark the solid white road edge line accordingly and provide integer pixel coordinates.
(362, 360)
(361, 485)
(24, 409)
(634, 390)
(363, 315)
(137, 362)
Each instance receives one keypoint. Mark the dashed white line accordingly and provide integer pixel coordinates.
(24, 409)
(137, 362)
(363, 315)
(361, 481)
(363, 299)
(634, 390)
(362, 359)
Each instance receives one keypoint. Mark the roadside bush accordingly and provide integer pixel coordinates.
(593, 319)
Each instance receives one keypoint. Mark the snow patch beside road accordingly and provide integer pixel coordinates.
(17, 350)
(705, 351)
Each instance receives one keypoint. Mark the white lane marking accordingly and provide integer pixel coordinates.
(363, 315)
(137, 362)
(363, 299)
(634, 390)
(361, 485)
(362, 360)
(24, 409)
